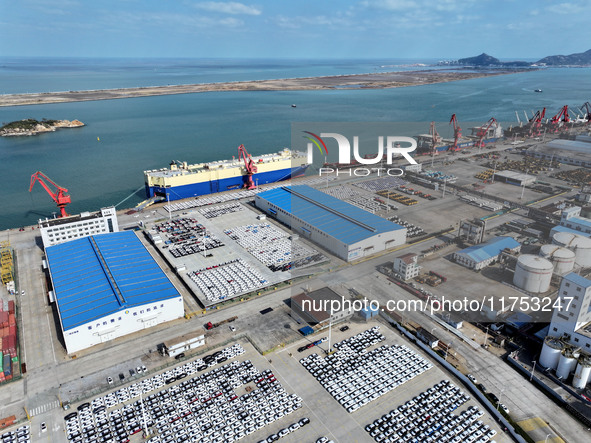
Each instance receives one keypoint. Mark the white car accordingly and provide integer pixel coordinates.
(232, 328)
(472, 378)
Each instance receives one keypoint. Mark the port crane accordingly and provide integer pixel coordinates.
(586, 107)
(561, 117)
(59, 196)
(483, 131)
(536, 123)
(249, 166)
(457, 132)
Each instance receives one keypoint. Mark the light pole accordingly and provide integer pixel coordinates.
(546, 439)
(500, 397)
(485, 337)
(532, 371)
(169, 208)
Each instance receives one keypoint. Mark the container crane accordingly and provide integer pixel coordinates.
(435, 138)
(59, 196)
(249, 166)
(586, 107)
(457, 132)
(483, 131)
(536, 123)
(561, 117)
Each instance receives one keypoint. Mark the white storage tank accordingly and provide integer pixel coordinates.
(562, 258)
(533, 273)
(583, 372)
(580, 245)
(566, 363)
(551, 352)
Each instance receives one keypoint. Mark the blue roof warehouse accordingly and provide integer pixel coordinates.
(107, 286)
(479, 256)
(339, 227)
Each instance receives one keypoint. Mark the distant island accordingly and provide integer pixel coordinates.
(488, 61)
(376, 80)
(31, 126)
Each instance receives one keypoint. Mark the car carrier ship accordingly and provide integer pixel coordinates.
(182, 180)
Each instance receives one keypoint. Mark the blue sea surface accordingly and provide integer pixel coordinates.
(148, 132)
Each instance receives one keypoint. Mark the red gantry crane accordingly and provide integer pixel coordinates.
(561, 117)
(536, 123)
(249, 166)
(457, 132)
(59, 196)
(483, 131)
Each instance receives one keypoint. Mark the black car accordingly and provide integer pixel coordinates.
(83, 406)
(181, 355)
(302, 349)
(121, 377)
(344, 328)
(494, 398)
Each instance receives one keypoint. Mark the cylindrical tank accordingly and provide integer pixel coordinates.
(562, 258)
(580, 245)
(551, 352)
(566, 363)
(586, 211)
(583, 372)
(533, 273)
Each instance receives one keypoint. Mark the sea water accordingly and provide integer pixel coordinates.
(102, 163)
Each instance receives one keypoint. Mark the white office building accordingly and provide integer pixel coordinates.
(406, 266)
(60, 230)
(571, 319)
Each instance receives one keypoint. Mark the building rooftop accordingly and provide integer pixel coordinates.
(490, 249)
(560, 228)
(335, 217)
(49, 222)
(407, 258)
(99, 275)
(580, 220)
(578, 280)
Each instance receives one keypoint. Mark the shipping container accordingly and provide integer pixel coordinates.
(11, 306)
(12, 330)
(3, 318)
(11, 320)
(7, 366)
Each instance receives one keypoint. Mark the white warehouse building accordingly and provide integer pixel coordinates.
(106, 286)
(339, 227)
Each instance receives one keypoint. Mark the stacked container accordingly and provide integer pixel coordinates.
(8, 356)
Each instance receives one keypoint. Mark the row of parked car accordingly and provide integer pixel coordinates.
(356, 377)
(429, 418)
(286, 431)
(194, 407)
(21, 435)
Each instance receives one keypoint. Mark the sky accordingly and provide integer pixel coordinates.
(311, 29)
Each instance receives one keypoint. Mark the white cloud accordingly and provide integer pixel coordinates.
(391, 5)
(229, 8)
(337, 22)
(181, 22)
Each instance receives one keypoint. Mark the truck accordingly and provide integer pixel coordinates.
(210, 325)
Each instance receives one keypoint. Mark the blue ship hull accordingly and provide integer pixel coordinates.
(465, 144)
(211, 187)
